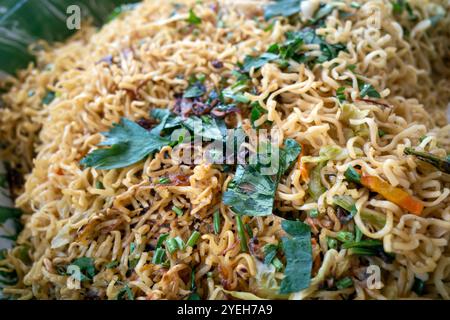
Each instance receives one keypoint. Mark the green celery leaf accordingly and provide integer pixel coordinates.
(83, 269)
(130, 143)
(195, 91)
(367, 89)
(298, 251)
(285, 8)
(252, 191)
(257, 62)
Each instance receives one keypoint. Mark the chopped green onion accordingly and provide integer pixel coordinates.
(49, 97)
(193, 18)
(241, 234)
(367, 89)
(217, 222)
(132, 247)
(344, 283)
(164, 180)
(346, 203)
(174, 244)
(193, 239)
(332, 243)
(443, 164)
(340, 94)
(381, 133)
(314, 213)
(125, 290)
(365, 243)
(352, 175)
(344, 236)
(161, 240)
(178, 211)
(201, 77)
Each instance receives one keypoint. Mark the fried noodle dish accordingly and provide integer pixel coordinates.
(113, 143)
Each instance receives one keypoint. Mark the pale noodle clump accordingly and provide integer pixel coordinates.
(155, 52)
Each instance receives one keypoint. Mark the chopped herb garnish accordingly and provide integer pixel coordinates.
(257, 62)
(129, 143)
(161, 240)
(194, 295)
(194, 91)
(49, 97)
(290, 49)
(366, 89)
(340, 94)
(164, 180)
(352, 175)
(347, 203)
(217, 222)
(241, 234)
(174, 244)
(125, 292)
(344, 236)
(120, 9)
(82, 269)
(381, 133)
(314, 213)
(193, 239)
(285, 8)
(298, 251)
(193, 18)
(332, 243)
(256, 113)
(344, 283)
(178, 211)
(158, 256)
(252, 191)
(368, 248)
(399, 6)
(324, 10)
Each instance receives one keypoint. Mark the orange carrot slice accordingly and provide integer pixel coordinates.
(393, 194)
